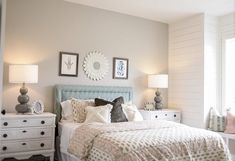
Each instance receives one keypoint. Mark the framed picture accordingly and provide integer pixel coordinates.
(38, 106)
(149, 106)
(68, 64)
(120, 68)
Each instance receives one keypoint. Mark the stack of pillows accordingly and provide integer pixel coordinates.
(99, 110)
(221, 123)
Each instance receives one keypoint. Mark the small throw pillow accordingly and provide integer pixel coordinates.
(117, 114)
(216, 121)
(230, 127)
(98, 114)
(79, 112)
(67, 110)
(131, 112)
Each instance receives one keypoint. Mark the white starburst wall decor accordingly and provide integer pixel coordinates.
(95, 65)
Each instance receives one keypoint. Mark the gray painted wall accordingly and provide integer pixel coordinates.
(2, 39)
(37, 30)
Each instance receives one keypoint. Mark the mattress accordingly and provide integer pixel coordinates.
(66, 130)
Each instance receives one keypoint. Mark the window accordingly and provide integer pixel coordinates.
(229, 75)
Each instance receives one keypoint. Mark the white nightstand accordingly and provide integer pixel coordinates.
(164, 114)
(23, 136)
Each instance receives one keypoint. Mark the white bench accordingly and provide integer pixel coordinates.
(227, 137)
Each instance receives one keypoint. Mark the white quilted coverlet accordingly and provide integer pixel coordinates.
(146, 141)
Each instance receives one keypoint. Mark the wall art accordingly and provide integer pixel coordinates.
(68, 64)
(95, 65)
(120, 68)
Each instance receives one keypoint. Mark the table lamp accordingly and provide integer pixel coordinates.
(23, 74)
(158, 81)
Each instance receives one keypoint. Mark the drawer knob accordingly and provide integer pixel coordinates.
(23, 144)
(4, 148)
(42, 133)
(174, 115)
(5, 123)
(42, 145)
(156, 116)
(42, 122)
(24, 131)
(4, 135)
(165, 114)
(24, 120)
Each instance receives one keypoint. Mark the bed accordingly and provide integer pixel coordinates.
(66, 129)
(130, 141)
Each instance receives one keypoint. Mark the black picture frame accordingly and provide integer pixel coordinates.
(120, 68)
(68, 67)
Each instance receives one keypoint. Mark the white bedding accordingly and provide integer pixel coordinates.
(146, 140)
(65, 130)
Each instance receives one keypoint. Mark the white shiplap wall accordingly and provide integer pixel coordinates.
(227, 26)
(192, 68)
(211, 47)
(185, 90)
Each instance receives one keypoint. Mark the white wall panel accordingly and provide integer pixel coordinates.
(192, 68)
(210, 64)
(186, 69)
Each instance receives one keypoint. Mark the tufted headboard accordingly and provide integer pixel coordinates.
(64, 92)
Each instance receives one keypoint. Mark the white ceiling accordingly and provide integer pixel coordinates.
(167, 11)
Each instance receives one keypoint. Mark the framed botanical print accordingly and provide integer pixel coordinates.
(120, 68)
(68, 64)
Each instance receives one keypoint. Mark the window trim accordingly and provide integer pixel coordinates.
(222, 73)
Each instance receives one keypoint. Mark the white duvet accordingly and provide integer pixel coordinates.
(66, 130)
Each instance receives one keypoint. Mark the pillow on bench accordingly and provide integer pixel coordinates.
(216, 121)
(230, 127)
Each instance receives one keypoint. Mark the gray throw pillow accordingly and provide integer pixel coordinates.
(117, 115)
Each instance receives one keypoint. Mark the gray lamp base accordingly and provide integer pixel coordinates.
(22, 108)
(158, 101)
(23, 99)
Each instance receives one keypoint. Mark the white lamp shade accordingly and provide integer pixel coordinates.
(23, 73)
(158, 81)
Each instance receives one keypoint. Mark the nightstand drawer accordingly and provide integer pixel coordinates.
(165, 114)
(174, 115)
(25, 146)
(26, 122)
(25, 133)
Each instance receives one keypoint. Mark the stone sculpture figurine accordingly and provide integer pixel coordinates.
(158, 100)
(23, 99)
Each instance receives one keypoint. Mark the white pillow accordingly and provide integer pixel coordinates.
(67, 110)
(131, 112)
(98, 114)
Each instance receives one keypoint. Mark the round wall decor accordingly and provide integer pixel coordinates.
(95, 65)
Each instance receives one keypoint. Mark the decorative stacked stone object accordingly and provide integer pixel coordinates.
(23, 99)
(158, 101)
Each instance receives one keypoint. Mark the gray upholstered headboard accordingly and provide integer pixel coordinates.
(64, 92)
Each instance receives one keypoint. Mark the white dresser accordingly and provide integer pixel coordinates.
(164, 114)
(23, 136)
